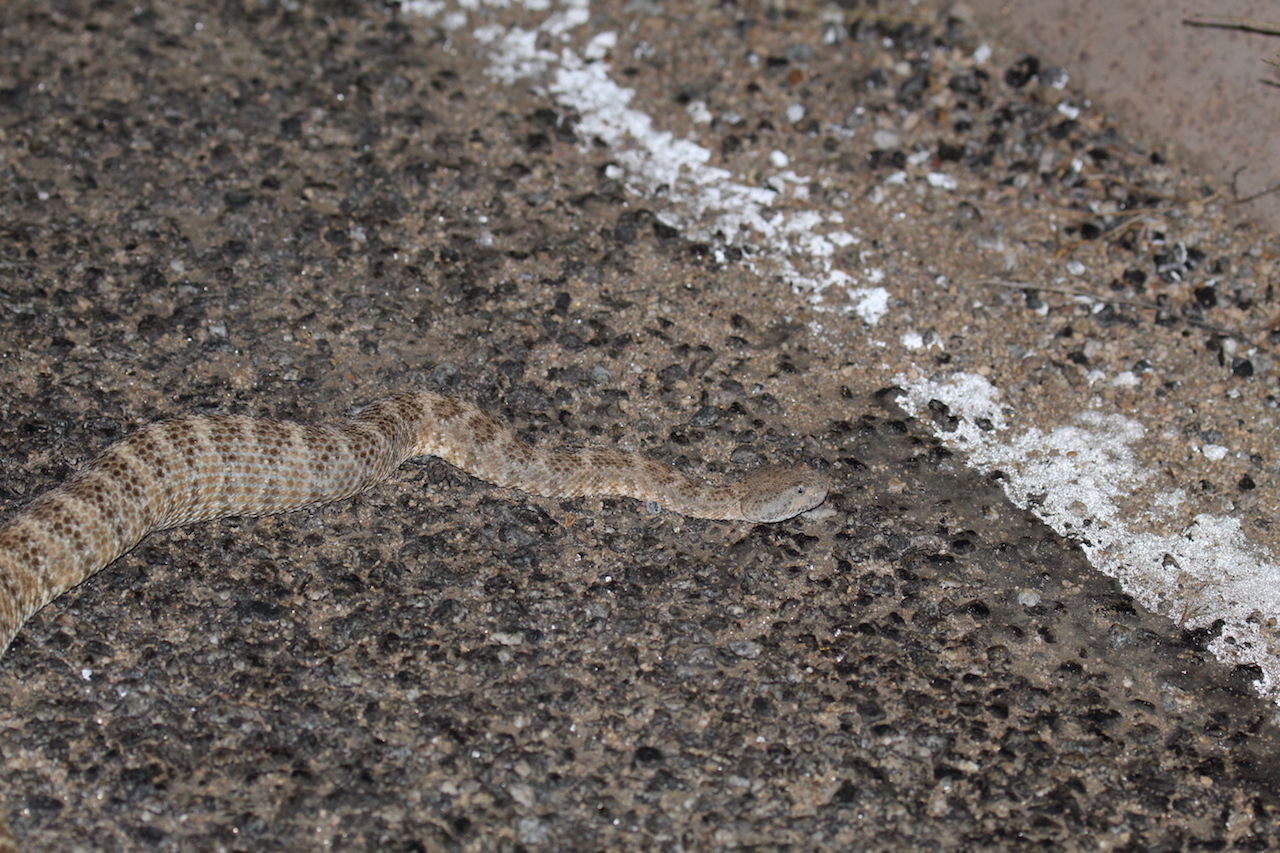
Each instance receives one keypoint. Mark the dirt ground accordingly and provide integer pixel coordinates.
(289, 209)
(1199, 78)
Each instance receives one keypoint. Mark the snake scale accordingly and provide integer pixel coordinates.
(200, 468)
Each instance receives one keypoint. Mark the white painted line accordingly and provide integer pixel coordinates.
(703, 202)
(1071, 478)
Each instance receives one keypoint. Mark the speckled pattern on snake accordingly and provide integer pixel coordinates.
(200, 468)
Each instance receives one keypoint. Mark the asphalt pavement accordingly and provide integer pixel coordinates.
(1029, 341)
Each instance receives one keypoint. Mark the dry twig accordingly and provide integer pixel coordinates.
(1231, 22)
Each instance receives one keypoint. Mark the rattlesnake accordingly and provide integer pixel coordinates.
(200, 468)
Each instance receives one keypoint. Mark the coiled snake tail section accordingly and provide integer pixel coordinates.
(200, 468)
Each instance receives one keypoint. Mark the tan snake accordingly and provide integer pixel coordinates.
(200, 468)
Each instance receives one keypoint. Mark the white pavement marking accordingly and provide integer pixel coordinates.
(1070, 477)
(703, 202)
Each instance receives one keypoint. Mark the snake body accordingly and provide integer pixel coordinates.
(211, 466)
(200, 468)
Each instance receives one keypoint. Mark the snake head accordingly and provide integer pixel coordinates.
(776, 492)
